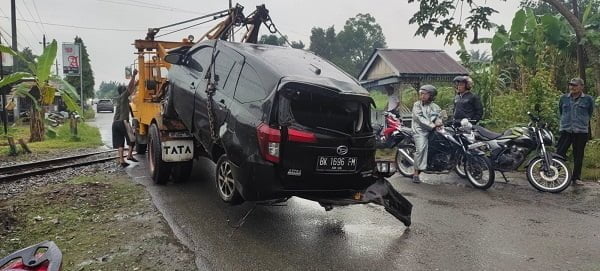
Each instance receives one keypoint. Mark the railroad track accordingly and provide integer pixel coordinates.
(40, 167)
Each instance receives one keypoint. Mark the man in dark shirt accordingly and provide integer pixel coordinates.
(121, 122)
(467, 105)
(575, 110)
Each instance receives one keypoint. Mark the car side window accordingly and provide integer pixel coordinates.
(232, 79)
(224, 64)
(200, 59)
(249, 87)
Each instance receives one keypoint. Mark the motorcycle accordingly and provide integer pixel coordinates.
(391, 133)
(448, 150)
(546, 171)
(44, 256)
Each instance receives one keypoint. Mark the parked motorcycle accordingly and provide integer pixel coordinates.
(391, 133)
(448, 150)
(546, 171)
(44, 256)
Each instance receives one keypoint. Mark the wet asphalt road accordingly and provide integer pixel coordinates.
(455, 227)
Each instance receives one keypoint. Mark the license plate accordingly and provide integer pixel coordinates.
(177, 150)
(333, 163)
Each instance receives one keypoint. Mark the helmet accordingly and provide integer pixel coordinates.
(466, 79)
(431, 90)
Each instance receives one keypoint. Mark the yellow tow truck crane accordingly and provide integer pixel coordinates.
(148, 101)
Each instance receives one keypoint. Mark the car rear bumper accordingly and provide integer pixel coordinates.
(258, 180)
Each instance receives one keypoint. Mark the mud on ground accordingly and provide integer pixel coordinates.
(100, 222)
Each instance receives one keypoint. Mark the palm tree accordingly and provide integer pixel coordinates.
(43, 88)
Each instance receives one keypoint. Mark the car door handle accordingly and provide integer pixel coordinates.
(192, 86)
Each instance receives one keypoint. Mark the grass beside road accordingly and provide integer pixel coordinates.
(101, 222)
(88, 137)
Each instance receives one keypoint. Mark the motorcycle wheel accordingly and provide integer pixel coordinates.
(403, 165)
(479, 172)
(460, 166)
(556, 180)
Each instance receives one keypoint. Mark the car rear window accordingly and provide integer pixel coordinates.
(104, 101)
(317, 108)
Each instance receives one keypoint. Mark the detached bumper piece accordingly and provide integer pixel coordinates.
(43, 256)
(380, 192)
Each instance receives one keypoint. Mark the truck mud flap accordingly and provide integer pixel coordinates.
(380, 192)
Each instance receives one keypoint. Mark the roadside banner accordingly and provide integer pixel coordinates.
(71, 59)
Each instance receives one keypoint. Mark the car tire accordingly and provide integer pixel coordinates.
(169, 103)
(225, 183)
(159, 169)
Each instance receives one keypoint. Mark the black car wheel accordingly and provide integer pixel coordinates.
(159, 169)
(226, 183)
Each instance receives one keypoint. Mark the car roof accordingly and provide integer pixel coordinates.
(274, 63)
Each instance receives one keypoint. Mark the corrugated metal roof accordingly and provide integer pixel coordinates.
(417, 61)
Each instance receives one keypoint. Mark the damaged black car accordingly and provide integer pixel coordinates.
(279, 122)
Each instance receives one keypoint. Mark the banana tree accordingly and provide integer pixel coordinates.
(41, 90)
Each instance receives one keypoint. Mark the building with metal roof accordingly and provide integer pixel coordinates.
(396, 68)
(409, 66)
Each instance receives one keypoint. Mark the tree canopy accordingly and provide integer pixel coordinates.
(352, 46)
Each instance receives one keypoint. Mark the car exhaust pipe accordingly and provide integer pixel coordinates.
(407, 156)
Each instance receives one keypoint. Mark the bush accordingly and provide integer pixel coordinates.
(89, 114)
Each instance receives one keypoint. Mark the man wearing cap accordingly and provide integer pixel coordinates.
(576, 110)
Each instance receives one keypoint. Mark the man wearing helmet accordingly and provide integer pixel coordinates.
(425, 118)
(467, 105)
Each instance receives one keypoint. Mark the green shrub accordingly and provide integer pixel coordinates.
(89, 114)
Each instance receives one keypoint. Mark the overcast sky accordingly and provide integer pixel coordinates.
(111, 50)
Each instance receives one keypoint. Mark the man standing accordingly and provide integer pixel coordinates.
(121, 121)
(425, 118)
(467, 105)
(576, 110)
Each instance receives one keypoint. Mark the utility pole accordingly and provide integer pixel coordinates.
(13, 19)
(56, 67)
(44, 41)
(4, 113)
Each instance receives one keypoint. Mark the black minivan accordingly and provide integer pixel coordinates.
(284, 121)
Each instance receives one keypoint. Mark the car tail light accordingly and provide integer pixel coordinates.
(301, 136)
(268, 141)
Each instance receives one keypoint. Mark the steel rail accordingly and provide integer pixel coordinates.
(45, 166)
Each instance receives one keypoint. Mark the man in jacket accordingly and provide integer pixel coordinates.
(467, 105)
(425, 118)
(575, 110)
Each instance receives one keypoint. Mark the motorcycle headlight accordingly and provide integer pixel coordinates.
(548, 137)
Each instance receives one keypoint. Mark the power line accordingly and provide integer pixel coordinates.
(158, 5)
(28, 27)
(38, 14)
(32, 17)
(18, 32)
(148, 6)
(80, 27)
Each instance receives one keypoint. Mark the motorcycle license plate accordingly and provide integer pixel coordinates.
(334, 163)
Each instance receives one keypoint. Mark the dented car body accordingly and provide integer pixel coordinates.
(286, 123)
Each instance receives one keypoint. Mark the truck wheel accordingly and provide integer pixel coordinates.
(226, 183)
(159, 169)
(181, 171)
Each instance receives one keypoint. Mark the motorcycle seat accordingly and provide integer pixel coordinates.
(487, 134)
